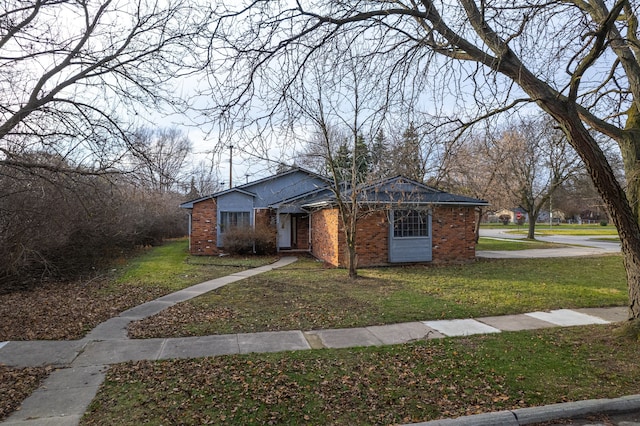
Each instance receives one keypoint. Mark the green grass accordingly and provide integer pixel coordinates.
(564, 229)
(541, 230)
(307, 296)
(498, 244)
(171, 267)
(377, 385)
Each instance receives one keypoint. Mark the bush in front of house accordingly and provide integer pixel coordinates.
(246, 240)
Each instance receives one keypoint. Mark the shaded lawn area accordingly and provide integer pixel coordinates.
(307, 296)
(377, 385)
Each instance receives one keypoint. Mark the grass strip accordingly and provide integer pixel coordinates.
(502, 244)
(171, 267)
(376, 385)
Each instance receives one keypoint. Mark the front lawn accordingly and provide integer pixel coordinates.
(375, 385)
(307, 296)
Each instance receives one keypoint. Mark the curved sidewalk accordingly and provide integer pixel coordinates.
(81, 365)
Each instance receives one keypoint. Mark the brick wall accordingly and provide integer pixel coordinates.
(302, 232)
(372, 239)
(204, 228)
(265, 218)
(326, 241)
(453, 234)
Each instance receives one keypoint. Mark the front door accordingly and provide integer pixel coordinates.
(284, 231)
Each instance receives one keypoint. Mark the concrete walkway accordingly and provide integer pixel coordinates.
(81, 365)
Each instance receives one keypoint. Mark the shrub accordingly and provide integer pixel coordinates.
(243, 240)
(505, 219)
(61, 225)
(603, 223)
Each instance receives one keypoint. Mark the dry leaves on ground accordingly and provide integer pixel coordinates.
(16, 384)
(66, 311)
(366, 387)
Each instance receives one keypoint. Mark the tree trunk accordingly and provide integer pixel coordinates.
(353, 261)
(600, 171)
(622, 214)
(630, 150)
(531, 229)
(476, 228)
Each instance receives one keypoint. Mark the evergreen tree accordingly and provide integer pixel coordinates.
(362, 164)
(342, 162)
(380, 164)
(408, 155)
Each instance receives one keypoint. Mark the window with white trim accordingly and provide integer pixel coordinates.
(410, 223)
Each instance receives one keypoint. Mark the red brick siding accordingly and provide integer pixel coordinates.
(372, 239)
(453, 234)
(302, 232)
(204, 228)
(326, 241)
(265, 217)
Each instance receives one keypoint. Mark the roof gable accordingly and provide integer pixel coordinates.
(397, 190)
(273, 188)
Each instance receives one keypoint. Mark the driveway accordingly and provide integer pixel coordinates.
(579, 246)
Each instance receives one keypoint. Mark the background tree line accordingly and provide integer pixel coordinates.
(59, 220)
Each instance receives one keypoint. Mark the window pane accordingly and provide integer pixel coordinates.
(410, 223)
(234, 220)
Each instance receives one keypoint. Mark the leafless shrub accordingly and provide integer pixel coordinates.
(60, 225)
(245, 240)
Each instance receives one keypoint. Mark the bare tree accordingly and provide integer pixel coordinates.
(160, 156)
(204, 180)
(75, 75)
(341, 104)
(576, 60)
(75, 78)
(474, 170)
(537, 161)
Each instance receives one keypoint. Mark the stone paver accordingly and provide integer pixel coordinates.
(112, 352)
(567, 317)
(461, 327)
(615, 314)
(62, 398)
(35, 353)
(195, 347)
(346, 337)
(272, 341)
(515, 322)
(393, 334)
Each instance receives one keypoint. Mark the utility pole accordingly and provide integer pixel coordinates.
(230, 166)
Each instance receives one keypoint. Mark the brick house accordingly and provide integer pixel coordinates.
(401, 221)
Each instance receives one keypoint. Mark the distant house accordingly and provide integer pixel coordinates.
(402, 221)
